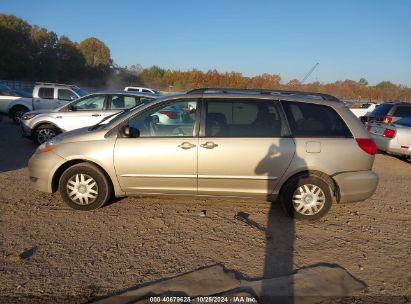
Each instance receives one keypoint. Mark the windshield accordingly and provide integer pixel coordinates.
(114, 118)
(80, 92)
(382, 109)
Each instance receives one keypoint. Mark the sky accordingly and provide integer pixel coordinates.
(350, 39)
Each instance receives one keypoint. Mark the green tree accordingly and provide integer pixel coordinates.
(70, 61)
(363, 82)
(95, 53)
(14, 47)
(44, 54)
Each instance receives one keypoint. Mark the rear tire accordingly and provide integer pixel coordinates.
(17, 112)
(84, 187)
(306, 197)
(45, 133)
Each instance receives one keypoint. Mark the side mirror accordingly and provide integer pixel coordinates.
(155, 119)
(71, 108)
(125, 131)
(130, 132)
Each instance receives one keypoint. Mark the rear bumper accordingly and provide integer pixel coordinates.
(355, 186)
(391, 146)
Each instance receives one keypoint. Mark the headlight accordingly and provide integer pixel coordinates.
(28, 116)
(49, 145)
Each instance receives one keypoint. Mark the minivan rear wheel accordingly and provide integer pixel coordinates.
(84, 187)
(306, 197)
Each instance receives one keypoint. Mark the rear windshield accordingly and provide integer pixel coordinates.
(312, 120)
(382, 109)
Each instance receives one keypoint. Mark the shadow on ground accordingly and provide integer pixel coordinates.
(15, 150)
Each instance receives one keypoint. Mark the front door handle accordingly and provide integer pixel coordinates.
(186, 145)
(209, 145)
(96, 115)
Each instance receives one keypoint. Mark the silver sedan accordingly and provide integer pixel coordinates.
(393, 138)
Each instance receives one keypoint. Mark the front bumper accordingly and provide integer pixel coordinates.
(26, 131)
(355, 186)
(42, 167)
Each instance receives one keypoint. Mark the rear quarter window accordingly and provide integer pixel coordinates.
(402, 111)
(312, 120)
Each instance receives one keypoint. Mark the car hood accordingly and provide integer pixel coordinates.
(45, 111)
(82, 134)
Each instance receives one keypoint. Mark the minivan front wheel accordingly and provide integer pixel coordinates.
(84, 187)
(306, 197)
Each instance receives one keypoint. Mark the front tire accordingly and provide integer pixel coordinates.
(45, 133)
(84, 187)
(306, 197)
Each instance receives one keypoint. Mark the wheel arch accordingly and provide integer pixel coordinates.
(15, 106)
(44, 123)
(324, 176)
(60, 170)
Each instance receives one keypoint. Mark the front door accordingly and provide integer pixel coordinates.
(163, 158)
(85, 112)
(245, 148)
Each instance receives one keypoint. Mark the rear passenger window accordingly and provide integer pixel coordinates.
(312, 120)
(46, 93)
(403, 111)
(123, 102)
(243, 118)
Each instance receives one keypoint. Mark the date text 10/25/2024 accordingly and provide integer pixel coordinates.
(206, 299)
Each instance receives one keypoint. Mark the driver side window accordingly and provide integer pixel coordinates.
(175, 119)
(91, 103)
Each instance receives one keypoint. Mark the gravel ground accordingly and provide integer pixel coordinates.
(49, 250)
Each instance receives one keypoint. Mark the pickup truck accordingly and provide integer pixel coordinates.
(365, 108)
(45, 96)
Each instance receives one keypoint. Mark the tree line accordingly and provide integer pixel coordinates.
(31, 53)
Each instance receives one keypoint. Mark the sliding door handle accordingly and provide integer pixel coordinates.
(209, 145)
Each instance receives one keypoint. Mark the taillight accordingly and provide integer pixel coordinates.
(369, 128)
(170, 114)
(389, 133)
(367, 145)
(387, 119)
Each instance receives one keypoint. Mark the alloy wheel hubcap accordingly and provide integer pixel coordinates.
(308, 199)
(82, 189)
(44, 135)
(18, 115)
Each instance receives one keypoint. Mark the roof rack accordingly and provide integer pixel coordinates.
(55, 84)
(326, 97)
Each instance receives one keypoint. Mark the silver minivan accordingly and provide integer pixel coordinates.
(304, 149)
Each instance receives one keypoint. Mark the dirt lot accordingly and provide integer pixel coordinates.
(47, 249)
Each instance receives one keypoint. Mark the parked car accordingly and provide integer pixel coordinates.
(388, 113)
(8, 97)
(366, 108)
(394, 138)
(42, 125)
(141, 90)
(45, 96)
(251, 144)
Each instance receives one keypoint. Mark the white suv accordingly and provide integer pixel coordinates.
(141, 89)
(87, 111)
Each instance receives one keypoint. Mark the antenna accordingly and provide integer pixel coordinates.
(309, 73)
